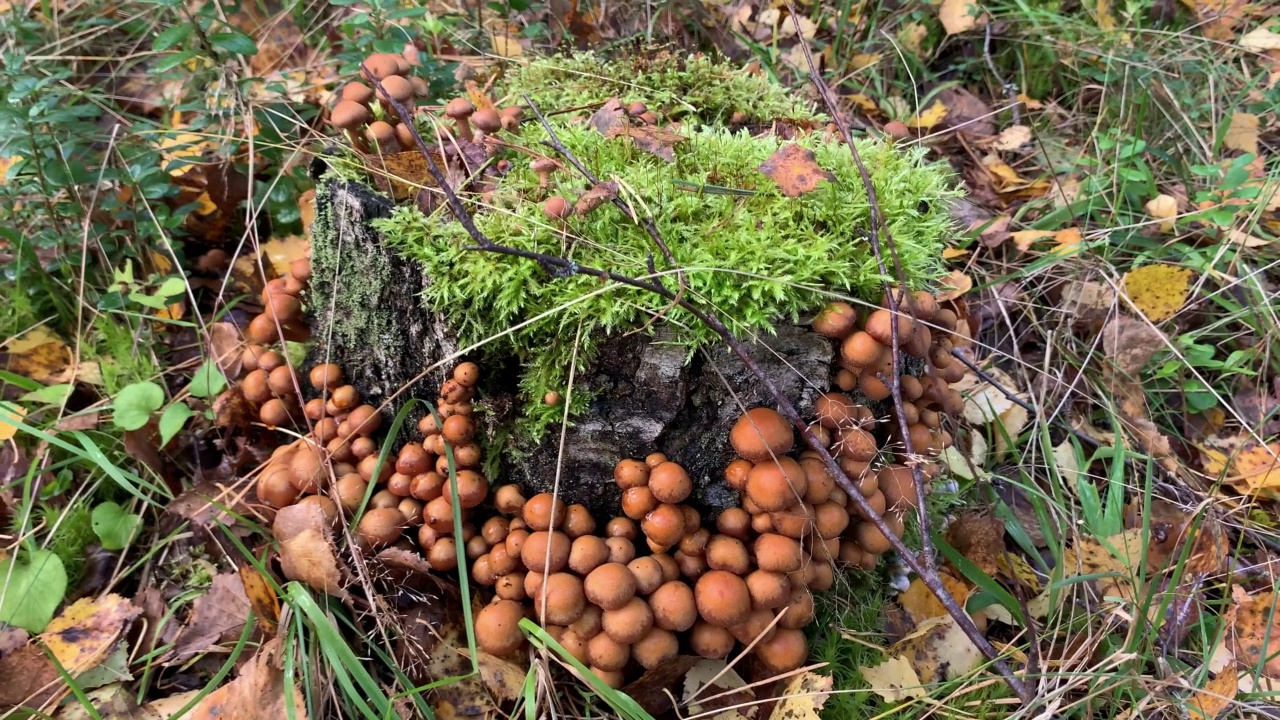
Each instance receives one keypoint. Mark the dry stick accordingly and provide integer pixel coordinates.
(562, 267)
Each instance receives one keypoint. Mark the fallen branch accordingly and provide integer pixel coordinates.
(563, 267)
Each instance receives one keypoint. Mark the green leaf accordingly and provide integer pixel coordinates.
(113, 526)
(172, 420)
(135, 403)
(170, 62)
(208, 380)
(172, 36)
(50, 395)
(33, 590)
(234, 42)
(171, 287)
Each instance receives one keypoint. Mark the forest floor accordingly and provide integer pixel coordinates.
(1111, 510)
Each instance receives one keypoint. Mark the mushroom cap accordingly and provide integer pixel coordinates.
(607, 653)
(879, 325)
(860, 350)
(472, 488)
(836, 320)
(498, 627)
(276, 488)
(628, 623)
(646, 571)
(508, 499)
(761, 434)
(664, 524)
(459, 107)
(695, 543)
(777, 485)
(282, 380)
(587, 553)
(870, 539)
(610, 586)
(785, 651)
(349, 115)
(835, 410)
(564, 601)
(711, 641)
(356, 91)
(819, 479)
(778, 553)
(578, 521)
(557, 207)
(638, 501)
(546, 551)
(622, 527)
(325, 376)
(673, 606)
(487, 119)
(757, 624)
(575, 645)
(590, 623)
(544, 164)
(670, 483)
(655, 648)
(467, 374)
(855, 444)
(728, 553)
(830, 519)
(381, 526)
(898, 485)
(735, 474)
(397, 88)
(670, 568)
(768, 589)
(876, 500)
(735, 522)
(800, 609)
(629, 473)
(544, 511)
(383, 65)
(722, 598)
(413, 460)
(274, 413)
(383, 133)
(621, 550)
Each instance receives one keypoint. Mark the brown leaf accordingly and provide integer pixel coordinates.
(795, 170)
(655, 688)
(596, 196)
(1217, 694)
(967, 113)
(307, 553)
(654, 140)
(258, 693)
(503, 678)
(1130, 343)
(80, 421)
(610, 117)
(37, 354)
(231, 409)
(207, 504)
(992, 231)
(217, 617)
(954, 285)
(262, 598)
(1255, 638)
(30, 680)
(224, 347)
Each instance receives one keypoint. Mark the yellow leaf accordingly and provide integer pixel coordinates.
(1067, 240)
(1242, 133)
(1012, 138)
(1159, 290)
(186, 146)
(863, 60)
(803, 697)
(10, 415)
(1024, 238)
(1029, 102)
(912, 36)
(955, 284)
(82, 635)
(281, 252)
(1013, 420)
(205, 204)
(1217, 694)
(6, 163)
(953, 253)
(262, 597)
(958, 16)
(863, 103)
(1106, 21)
(1163, 208)
(1260, 40)
(37, 354)
(894, 679)
(921, 604)
(930, 117)
(505, 45)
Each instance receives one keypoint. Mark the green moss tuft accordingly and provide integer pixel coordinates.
(680, 86)
(757, 257)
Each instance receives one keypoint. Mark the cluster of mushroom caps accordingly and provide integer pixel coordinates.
(281, 316)
(368, 117)
(655, 582)
(557, 207)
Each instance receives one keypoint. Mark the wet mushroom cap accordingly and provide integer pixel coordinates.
(628, 623)
(564, 601)
(722, 598)
(761, 434)
(655, 648)
(670, 483)
(487, 120)
(610, 586)
(777, 485)
(785, 651)
(710, 641)
(497, 627)
(674, 606)
(349, 115)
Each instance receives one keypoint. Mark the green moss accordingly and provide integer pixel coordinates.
(679, 86)
(757, 257)
(74, 535)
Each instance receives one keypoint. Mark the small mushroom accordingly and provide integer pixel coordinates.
(761, 434)
(784, 652)
(836, 320)
(710, 641)
(487, 120)
(498, 627)
(655, 648)
(356, 91)
(544, 167)
(669, 483)
(380, 66)
(673, 606)
(610, 586)
(564, 601)
(557, 208)
(351, 116)
(383, 136)
(722, 598)
(459, 110)
(510, 117)
(630, 622)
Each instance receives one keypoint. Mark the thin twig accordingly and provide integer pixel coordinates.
(562, 267)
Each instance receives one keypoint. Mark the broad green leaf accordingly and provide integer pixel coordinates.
(113, 526)
(234, 42)
(31, 590)
(135, 403)
(172, 420)
(208, 380)
(172, 36)
(49, 395)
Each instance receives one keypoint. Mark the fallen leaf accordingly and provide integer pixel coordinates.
(33, 587)
(920, 602)
(505, 44)
(894, 679)
(307, 552)
(1023, 239)
(716, 692)
(1088, 299)
(993, 231)
(912, 36)
(1255, 637)
(926, 119)
(1067, 460)
(803, 697)
(1008, 181)
(953, 286)
(1260, 40)
(1106, 20)
(1158, 290)
(37, 354)
(1129, 344)
(1242, 133)
(958, 16)
(504, 678)
(953, 253)
(280, 252)
(1012, 138)
(11, 414)
(258, 693)
(656, 141)
(944, 652)
(1218, 18)
(858, 62)
(795, 170)
(595, 197)
(1249, 467)
(609, 116)
(1163, 208)
(984, 401)
(1216, 696)
(967, 465)
(1116, 559)
(83, 633)
(217, 617)
(224, 347)
(967, 112)
(262, 598)
(1029, 102)
(111, 702)
(30, 680)
(1067, 241)
(863, 103)
(980, 538)
(1244, 239)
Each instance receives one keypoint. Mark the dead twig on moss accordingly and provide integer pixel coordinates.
(923, 565)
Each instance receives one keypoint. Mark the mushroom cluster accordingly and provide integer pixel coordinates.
(367, 116)
(281, 316)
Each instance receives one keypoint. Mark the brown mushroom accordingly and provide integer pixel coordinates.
(544, 511)
(836, 320)
(350, 116)
(564, 601)
(669, 483)
(761, 434)
(587, 553)
(497, 627)
(784, 652)
(711, 641)
(628, 623)
(673, 605)
(655, 648)
(459, 110)
(722, 598)
(776, 484)
(487, 120)
(610, 586)
(664, 524)
(546, 551)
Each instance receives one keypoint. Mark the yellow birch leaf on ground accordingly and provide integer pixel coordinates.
(921, 604)
(1023, 239)
(926, 119)
(1117, 557)
(1106, 20)
(863, 103)
(82, 635)
(1260, 40)
(1255, 639)
(6, 163)
(958, 16)
(281, 252)
(1012, 138)
(37, 354)
(1030, 103)
(894, 679)
(1248, 467)
(803, 697)
(1012, 421)
(912, 37)
(954, 285)
(262, 598)
(953, 253)
(1159, 290)
(1242, 133)
(938, 650)
(505, 45)
(1217, 694)
(864, 60)
(1163, 208)
(10, 415)
(983, 401)
(1067, 241)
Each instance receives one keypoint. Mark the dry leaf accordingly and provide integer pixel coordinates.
(262, 598)
(10, 415)
(1216, 696)
(505, 44)
(1260, 40)
(217, 617)
(82, 635)
(1106, 20)
(980, 538)
(1012, 138)
(1242, 133)
(1130, 344)
(307, 552)
(1087, 298)
(37, 354)
(958, 16)
(1163, 208)
(1159, 290)
(920, 602)
(992, 231)
(504, 678)
(803, 697)
(983, 401)
(953, 286)
(596, 196)
(710, 687)
(281, 252)
(258, 693)
(30, 680)
(953, 253)
(1255, 638)
(654, 140)
(926, 119)
(1244, 239)
(1067, 241)
(863, 103)
(1249, 467)
(610, 115)
(1023, 239)
(938, 650)
(894, 679)
(912, 36)
(795, 170)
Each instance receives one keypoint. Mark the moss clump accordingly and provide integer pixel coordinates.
(754, 255)
(686, 87)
